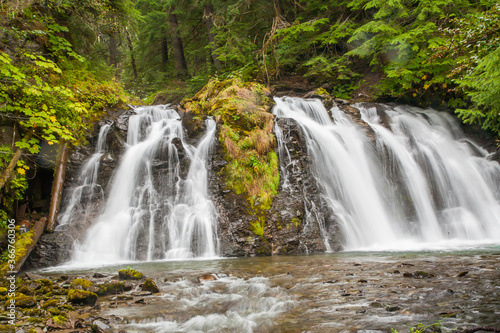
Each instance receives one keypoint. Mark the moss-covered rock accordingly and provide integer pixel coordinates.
(129, 274)
(3, 291)
(111, 288)
(243, 109)
(82, 297)
(21, 301)
(150, 285)
(82, 284)
(50, 304)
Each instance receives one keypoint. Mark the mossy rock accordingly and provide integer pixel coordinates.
(3, 291)
(111, 288)
(82, 284)
(21, 301)
(45, 282)
(129, 274)
(82, 297)
(53, 303)
(150, 285)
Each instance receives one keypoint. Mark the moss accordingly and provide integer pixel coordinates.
(50, 304)
(111, 288)
(59, 319)
(46, 283)
(23, 240)
(150, 285)
(246, 135)
(296, 222)
(129, 274)
(54, 311)
(21, 301)
(83, 284)
(78, 296)
(3, 291)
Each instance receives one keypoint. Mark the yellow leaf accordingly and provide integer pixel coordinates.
(414, 94)
(426, 86)
(424, 77)
(21, 171)
(50, 143)
(53, 119)
(444, 85)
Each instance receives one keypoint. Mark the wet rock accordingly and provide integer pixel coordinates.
(150, 285)
(207, 277)
(82, 297)
(98, 327)
(111, 288)
(82, 284)
(98, 276)
(142, 293)
(392, 308)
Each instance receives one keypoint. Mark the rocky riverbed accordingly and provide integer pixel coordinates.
(346, 292)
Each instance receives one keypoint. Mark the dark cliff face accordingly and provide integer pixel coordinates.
(291, 225)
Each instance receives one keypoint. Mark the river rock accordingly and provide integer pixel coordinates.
(82, 297)
(150, 285)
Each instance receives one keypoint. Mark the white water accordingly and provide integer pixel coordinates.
(228, 304)
(419, 185)
(148, 217)
(87, 189)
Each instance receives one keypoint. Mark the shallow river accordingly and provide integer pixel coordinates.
(342, 292)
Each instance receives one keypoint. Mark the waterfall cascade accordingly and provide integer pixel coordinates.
(411, 182)
(87, 188)
(152, 212)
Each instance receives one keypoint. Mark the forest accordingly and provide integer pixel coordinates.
(65, 63)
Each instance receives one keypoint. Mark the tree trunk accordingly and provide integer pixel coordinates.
(132, 58)
(13, 162)
(57, 187)
(113, 50)
(164, 52)
(177, 48)
(209, 23)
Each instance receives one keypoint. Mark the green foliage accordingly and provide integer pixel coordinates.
(483, 88)
(246, 135)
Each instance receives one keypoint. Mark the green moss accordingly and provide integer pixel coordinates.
(21, 301)
(296, 222)
(45, 282)
(246, 135)
(111, 288)
(77, 296)
(23, 240)
(3, 291)
(129, 274)
(150, 285)
(81, 284)
(50, 304)
(59, 319)
(54, 311)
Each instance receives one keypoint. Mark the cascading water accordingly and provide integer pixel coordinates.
(151, 212)
(87, 189)
(413, 185)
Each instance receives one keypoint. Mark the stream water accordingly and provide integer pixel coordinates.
(343, 292)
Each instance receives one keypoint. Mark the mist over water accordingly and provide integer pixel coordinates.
(410, 182)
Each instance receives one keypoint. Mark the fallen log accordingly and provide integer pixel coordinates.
(57, 187)
(37, 232)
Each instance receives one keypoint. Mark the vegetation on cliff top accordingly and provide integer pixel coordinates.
(242, 109)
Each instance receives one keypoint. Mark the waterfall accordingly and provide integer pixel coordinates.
(87, 189)
(152, 212)
(413, 182)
